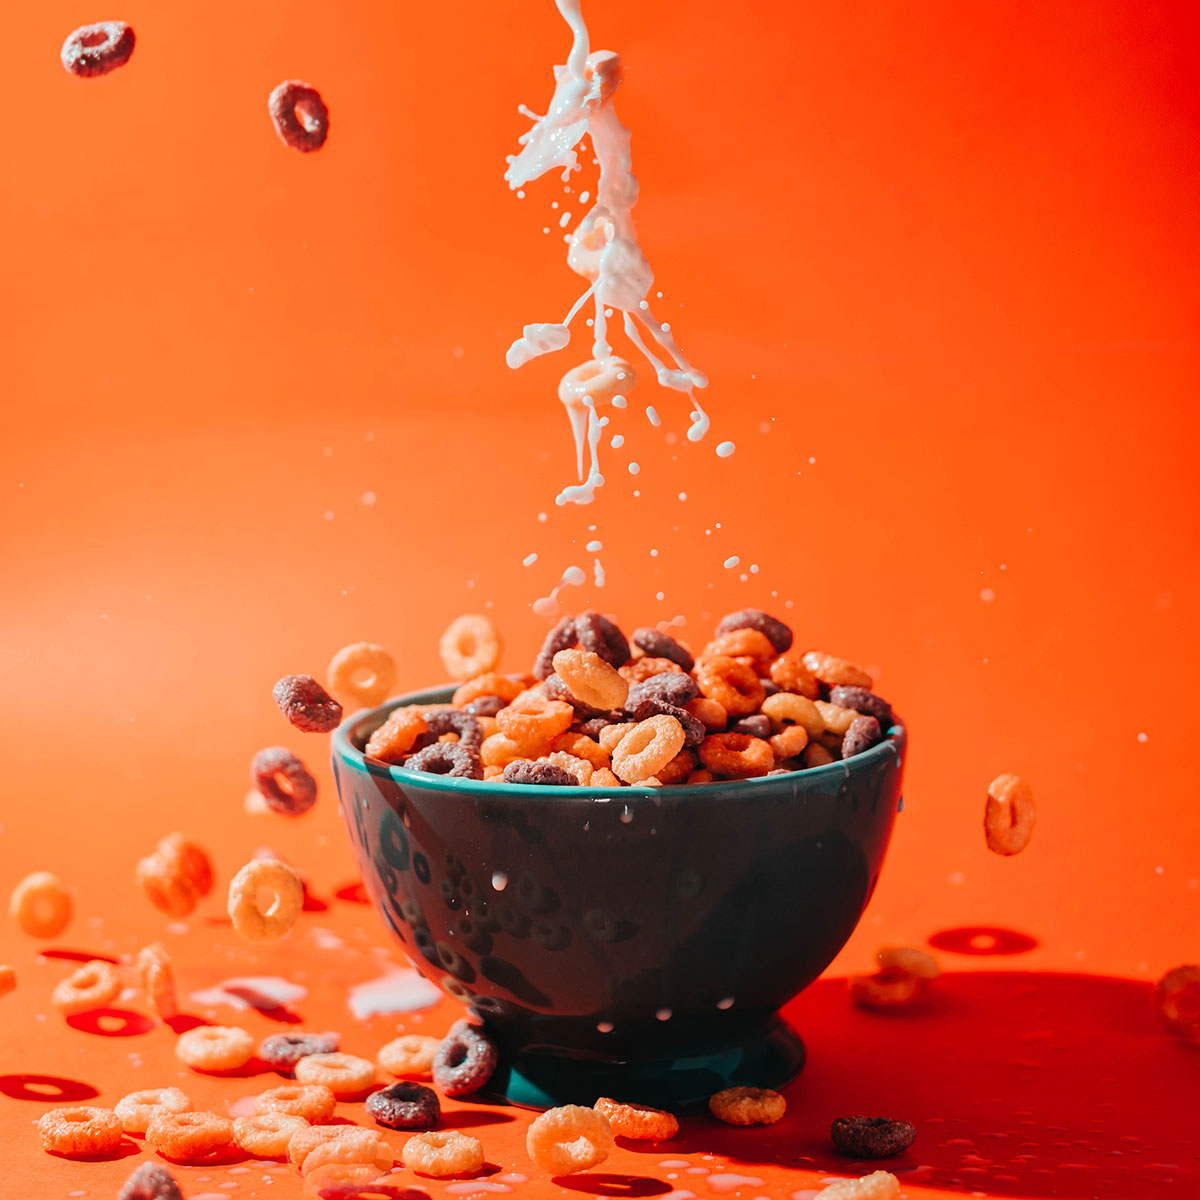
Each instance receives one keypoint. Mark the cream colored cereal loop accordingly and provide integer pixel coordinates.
(157, 978)
(579, 767)
(837, 719)
(91, 986)
(266, 1135)
(598, 380)
(650, 745)
(315, 1104)
(343, 1074)
(879, 1185)
(910, 959)
(442, 1153)
(833, 670)
(410, 1056)
(354, 1181)
(362, 1146)
(786, 708)
(568, 1139)
(611, 735)
(362, 674)
(590, 679)
(138, 1109)
(258, 876)
(747, 1106)
(215, 1048)
(470, 646)
(40, 905)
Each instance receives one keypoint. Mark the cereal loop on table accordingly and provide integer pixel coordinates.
(136, 1110)
(465, 1060)
(313, 1148)
(405, 1105)
(732, 684)
(747, 1106)
(872, 1137)
(638, 670)
(863, 733)
(601, 636)
(568, 1139)
(591, 679)
(266, 1135)
(776, 632)
(271, 878)
(343, 1074)
(8, 980)
(655, 644)
(470, 646)
(362, 674)
(835, 671)
(93, 50)
(650, 745)
(637, 1121)
(1177, 1001)
(447, 758)
(185, 1137)
(396, 736)
(158, 979)
(306, 704)
(911, 959)
(215, 1048)
(884, 989)
(176, 875)
(532, 721)
(314, 1104)
(879, 1185)
(488, 684)
(746, 645)
(80, 1131)
(409, 1055)
(442, 1154)
(40, 905)
(544, 774)
(300, 117)
(283, 781)
(1009, 815)
(284, 1050)
(92, 985)
(736, 755)
(150, 1182)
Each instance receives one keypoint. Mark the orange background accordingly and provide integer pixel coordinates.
(940, 262)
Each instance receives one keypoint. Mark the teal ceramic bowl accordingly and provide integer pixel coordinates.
(630, 942)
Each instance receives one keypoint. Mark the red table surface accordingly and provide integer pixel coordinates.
(940, 262)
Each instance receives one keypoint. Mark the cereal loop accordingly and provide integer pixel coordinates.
(215, 1048)
(543, 774)
(578, 745)
(285, 894)
(40, 905)
(872, 1137)
(731, 684)
(532, 721)
(863, 733)
(579, 768)
(709, 713)
(788, 742)
(568, 1139)
(600, 635)
(93, 985)
(343, 1074)
(8, 980)
(785, 708)
(736, 755)
(834, 671)
(837, 719)
(561, 637)
(405, 1105)
(637, 1121)
(1009, 815)
(498, 751)
(655, 644)
(884, 989)
(150, 1182)
(638, 670)
(611, 736)
(462, 725)
(266, 1135)
(284, 782)
(284, 1050)
(314, 1104)
(442, 1154)
(863, 701)
(306, 704)
(1177, 1001)
(300, 116)
(747, 1106)
(185, 1137)
(679, 769)
(815, 755)
(78, 1132)
(470, 646)
(791, 675)
(396, 736)
(650, 745)
(602, 777)
(487, 684)
(138, 1109)
(879, 1185)
(746, 645)
(93, 50)
(158, 979)
(590, 679)
(776, 632)
(447, 758)
(176, 875)
(910, 959)
(465, 1060)
(362, 674)
(352, 1144)
(347, 1181)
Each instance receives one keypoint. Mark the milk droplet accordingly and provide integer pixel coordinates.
(368, 498)
(618, 440)
(683, 495)
(725, 449)
(499, 880)
(542, 517)
(634, 468)
(653, 553)
(660, 595)
(987, 595)
(732, 562)
(1143, 737)
(626, 815)
(529, 560)
(594, 546)
(652, 416)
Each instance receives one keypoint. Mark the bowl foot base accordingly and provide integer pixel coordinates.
(543, 1077)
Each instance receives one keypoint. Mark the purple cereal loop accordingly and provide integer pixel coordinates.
(523, 770)
(300, 116)
(694, 731)
(655, 644)
(486, 706)
(283, 781)
(862, 735)
(150, 1182)
(561, 637)
(776, 632)
(769, 687)
(306, 704)
(405, 1105)
(863, 701)
(671, 687)
(599, 635)
(93, 50)
(757, 725)
(447, 758)
(448, 720)
(284, 1050)
(465, 1060)
(592, 727)
(872, 1137)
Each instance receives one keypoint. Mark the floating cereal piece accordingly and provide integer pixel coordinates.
(92, 985)
(97, 49)
(80, 1132)
(779, 635)
(40, 905)
(312, 1148)
(186, 1137)
(733, 685)
(470, 646)
(176, 875)
(215, 1048)
(158, 979)
(447, 720)
(410, 1055)
(601, 636)
(442, 1154)
(306, 704)
(465, 1060)
(911, 959)
(736, 755)
(8, 980)
(150, 1181)
(863, 701)
(300, 117)
(884, 989)
(650, 745)
(638, 670)
(872, 1137)
(655, 644)
(1177, 1001)
(833, 671)
(568, 1139)
(746, 645)
(1009, 815)
(265, 877)
(879, 1185)
(747, 1106)
(447, 758)
(343, 1074)
(362, 674)
(314, 1104)
(591, 679)
(405, 1105)
(283, 780)
(284, 1050)
(397, 735)
(266, 1135)
(546, 774)
(637, 1121)
(863, 733)
(136, 1110)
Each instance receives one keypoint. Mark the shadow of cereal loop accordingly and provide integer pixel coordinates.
(46, 1089)
(982, 941)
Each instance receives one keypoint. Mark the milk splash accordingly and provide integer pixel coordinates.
(603, 248)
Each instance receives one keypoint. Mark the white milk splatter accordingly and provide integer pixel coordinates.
(251, 991)
(725, 449)
(399, 990)
(547, 606)
(730, 1182)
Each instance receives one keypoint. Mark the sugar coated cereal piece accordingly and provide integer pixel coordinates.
(285, 782)
(637, 1121)
(8, 980)
(405, 1105)
(1009, 815)
(40, 905)
(747, 1106)
(80, 1132)
(755, 725)
(447, 758)
(470, 646)
(284, 1050)
(321, 1144)
(598, 634)
(499, 751)
(93, 50)
(151, 1181)
(410, 1055)
(315, 1104)
(788, 742)
(709, 713)
(884, 989)
(736, 755)
(260, 879)
(158, 979)
(612, 735)
(561, 637)
(138, 1109)
(911, 959)
(638, 670)
(1177, 1001)
(837, 719)
(397, 735)
(306, 704)
(872, 1137)
(91, 986)
(602, 777)
(651, 744)
(464, 1060)
(787, 708)
(733, 685)
(443, 1153)
(533, 721)
(266, 1135)
(176, 875)
(186, 1137)
(489, 684)
(879, 1185)
(671, 687)
(568, 1139)
(748, 646)
(546, 774)
(463, 725)
(591, 679)
(863, 701)
(791, 675)
(815, 755)
(863, 733)
(215, 1048)
(655, 644)
(833, 671)
(344, 1075)
(362, 675)
(300, 117)
(775, 630)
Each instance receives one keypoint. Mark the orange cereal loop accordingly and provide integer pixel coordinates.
(176, 875)
(185, 1137)
(788, 742)
(344, 1075)
(736, 755)
(581, 746)
(786, 708)
(884, 989)
(648, 747)
(637, 1121)
(1009, 815)
(590, 679)
(396, 736)
(747, 1106)
(266, 1135)
(744, 644)
(80, 1132)
(442, 1153)
(709, 713)
(274, 880)
(579, 767)
(679, 769)
(322, 1144)
(702, 776)
(792, 675)
(638, 670)
(138, 1109)
(611, 735)
(40, 905)
(215, 1048)
(487, 725)
(1177, 1001)
(158, 980)
(568, 1139)
(8, 980)
(836, 718)
(470, 646)
(603, 777)
(731, 684)
(409, 1057)
(314, 1104)
(879, 1185)
(499, 751)
(488, 684)
(494, 774)
(362, 674)
(92, 985)
(815, 755)
(834, 671)
(532, 721)
(910, 959)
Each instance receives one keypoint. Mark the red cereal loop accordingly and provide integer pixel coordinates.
(736, 755)
(150, 1182)
(80, 1132)
(93, 50)
(300, 116)
(731, 684)
(306, 704)
(1177, 1001)
(283, 781)
(1009, 814)
(637, 1121)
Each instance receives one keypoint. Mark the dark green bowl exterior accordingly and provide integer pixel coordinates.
(609, 935)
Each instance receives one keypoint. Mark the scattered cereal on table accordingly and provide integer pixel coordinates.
(887, 988)
(215, 1048)
(315, 1103)
(747, 1106)
(569, 1138)
(284, 1050)
(150, 1181)
(312, 1148)
(912, 959)
(443, 1153)
(405, 1105)
(189, 1136)
(266, 1135)
(872, 1137)
(409, 1055)
(138, 1109)
(1177, 1001)
(465, 1060)
(345, 1075)
(80, 1132)
(879, 1185)
(638, 1122)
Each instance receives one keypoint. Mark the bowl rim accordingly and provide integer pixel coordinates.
(894, 742)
